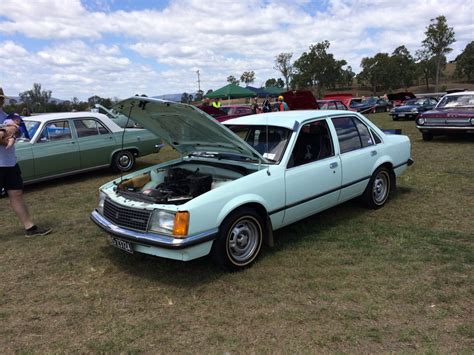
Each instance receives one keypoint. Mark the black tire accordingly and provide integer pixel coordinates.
(395, 118)
(427, 136)
(240, 240)
(123, 161)
(378, 189)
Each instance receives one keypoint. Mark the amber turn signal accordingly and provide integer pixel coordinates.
(181, 223)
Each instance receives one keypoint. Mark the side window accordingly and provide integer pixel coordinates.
(55, 131)
(365, 136)
(347, 134)
(313, 143)
(376, 137)
(340, 106)
(89, 127)
(351, 133)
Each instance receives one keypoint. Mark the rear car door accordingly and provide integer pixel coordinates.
(313, 174)
(96, 142)
(358, 155)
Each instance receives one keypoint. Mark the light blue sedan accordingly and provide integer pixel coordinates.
(234, 185)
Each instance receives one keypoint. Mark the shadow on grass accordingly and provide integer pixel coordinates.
(461, 139)
(203, 270)
(180, 274)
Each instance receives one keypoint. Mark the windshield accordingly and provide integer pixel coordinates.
(416, 102)
(271, 148)
(466, 100)
(32, 127)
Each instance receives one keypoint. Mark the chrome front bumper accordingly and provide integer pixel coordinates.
(152, 239)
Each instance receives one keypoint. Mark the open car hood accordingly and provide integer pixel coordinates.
(186, 128)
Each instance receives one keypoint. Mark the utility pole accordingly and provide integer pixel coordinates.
(199, 81)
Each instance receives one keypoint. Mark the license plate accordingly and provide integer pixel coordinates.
(122, 244)
(401, 115)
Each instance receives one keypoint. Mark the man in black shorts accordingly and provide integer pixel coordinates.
(11, 181)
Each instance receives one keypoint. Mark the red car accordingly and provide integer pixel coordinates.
(226, 112)
(331, 105)
(300, 100)
(346, 98)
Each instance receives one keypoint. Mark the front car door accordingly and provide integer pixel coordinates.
(56, 150)
(313, 174)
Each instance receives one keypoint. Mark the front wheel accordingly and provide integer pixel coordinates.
(123, 161)
(240, 240)
(378, 190)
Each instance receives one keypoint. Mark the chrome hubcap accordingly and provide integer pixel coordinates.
(243, 239)
(380, 188)
(124, 160)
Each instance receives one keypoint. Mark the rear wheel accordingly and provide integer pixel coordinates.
(240, 240)
(427, 136)
(378, 189)
(123, 161)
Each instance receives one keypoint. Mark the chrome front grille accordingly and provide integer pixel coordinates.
(126, 217)
(455, 122)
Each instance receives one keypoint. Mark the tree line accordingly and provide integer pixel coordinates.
(320, 70)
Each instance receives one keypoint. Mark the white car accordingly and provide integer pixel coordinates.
(234, 185)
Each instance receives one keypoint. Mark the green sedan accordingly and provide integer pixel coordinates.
(68, 143)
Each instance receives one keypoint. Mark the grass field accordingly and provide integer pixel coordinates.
(398, 279)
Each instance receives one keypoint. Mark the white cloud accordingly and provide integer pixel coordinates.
(93, 50)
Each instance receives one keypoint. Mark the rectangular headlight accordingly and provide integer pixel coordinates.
(171, 223)
(162, 222)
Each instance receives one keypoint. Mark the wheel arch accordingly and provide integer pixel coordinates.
(393, 178)
(255, 205)
(134, 150)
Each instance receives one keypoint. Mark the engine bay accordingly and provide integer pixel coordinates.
(174, 185)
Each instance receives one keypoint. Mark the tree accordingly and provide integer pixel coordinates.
(438, 39)
(186, 98)
(425, 67)
(404, 67)
(247, 77)
(279, 83)
(465, 63)
(232, 80)
(317, 68)
(36, 99)
(283, 65)
(377, 72)
(199, 95)
(347, 77)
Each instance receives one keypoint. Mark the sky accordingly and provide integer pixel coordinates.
(119, 48)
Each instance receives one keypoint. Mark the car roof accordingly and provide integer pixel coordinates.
(286, 119)
(461, 93)
(81, 114)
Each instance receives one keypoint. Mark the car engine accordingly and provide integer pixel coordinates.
(179, 186)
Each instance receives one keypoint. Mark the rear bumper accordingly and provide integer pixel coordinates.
(152, 239)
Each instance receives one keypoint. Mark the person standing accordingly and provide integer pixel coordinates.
(217, 102)
(282, 105)
(266, 106)
(11, 181)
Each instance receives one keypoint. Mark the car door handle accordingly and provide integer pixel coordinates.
(373, 153)
(333, 165)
